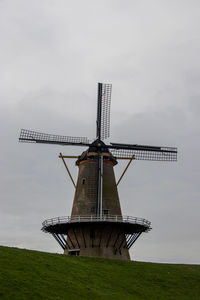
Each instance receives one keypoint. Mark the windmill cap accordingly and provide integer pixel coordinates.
(93, 150)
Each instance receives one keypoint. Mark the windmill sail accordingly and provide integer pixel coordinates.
(103, 132)
(45, 138)
(103, 110)
(144, 152)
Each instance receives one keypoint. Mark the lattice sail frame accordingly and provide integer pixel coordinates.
(145, 154)
(105, 110)
(30, 136)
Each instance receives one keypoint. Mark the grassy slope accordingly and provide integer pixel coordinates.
(28, 274)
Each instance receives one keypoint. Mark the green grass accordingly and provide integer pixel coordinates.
(26, 274)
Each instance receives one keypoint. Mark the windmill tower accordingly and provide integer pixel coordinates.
(96, 227)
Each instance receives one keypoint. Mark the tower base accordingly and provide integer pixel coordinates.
(90, 236)
(97, 240)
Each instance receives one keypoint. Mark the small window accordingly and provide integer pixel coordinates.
(75, 252)
(83, 181)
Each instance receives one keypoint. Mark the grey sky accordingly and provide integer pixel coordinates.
(52, 55)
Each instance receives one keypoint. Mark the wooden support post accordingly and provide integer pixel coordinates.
(116, 239)
(76, 238)
(70, 240)
(133, 241)
(128, 240)
(109, 238)
(100, 238)
(67, 245)
(58, 239)
(123, 240)
(68, 156)
(83, 236)
(61, 156)
(125, 169)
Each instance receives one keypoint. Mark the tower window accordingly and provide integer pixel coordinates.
(75, 252)
(83, 181)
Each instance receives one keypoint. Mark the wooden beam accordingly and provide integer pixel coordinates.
(125, 169)
(67, 169)
(123, 157)
(67, 156)
(76, 157)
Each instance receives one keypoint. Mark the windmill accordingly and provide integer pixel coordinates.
(96, 226)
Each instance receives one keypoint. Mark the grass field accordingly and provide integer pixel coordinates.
(26, 274)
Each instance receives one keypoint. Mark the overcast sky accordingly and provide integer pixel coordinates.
(52, 55)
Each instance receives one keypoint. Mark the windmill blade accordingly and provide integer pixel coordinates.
(144, 152)
(103, 110)
(30, 136)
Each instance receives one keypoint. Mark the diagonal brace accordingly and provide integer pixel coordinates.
(68, 171)
(130, 161)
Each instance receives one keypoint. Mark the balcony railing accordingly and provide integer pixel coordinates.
(92, 218)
